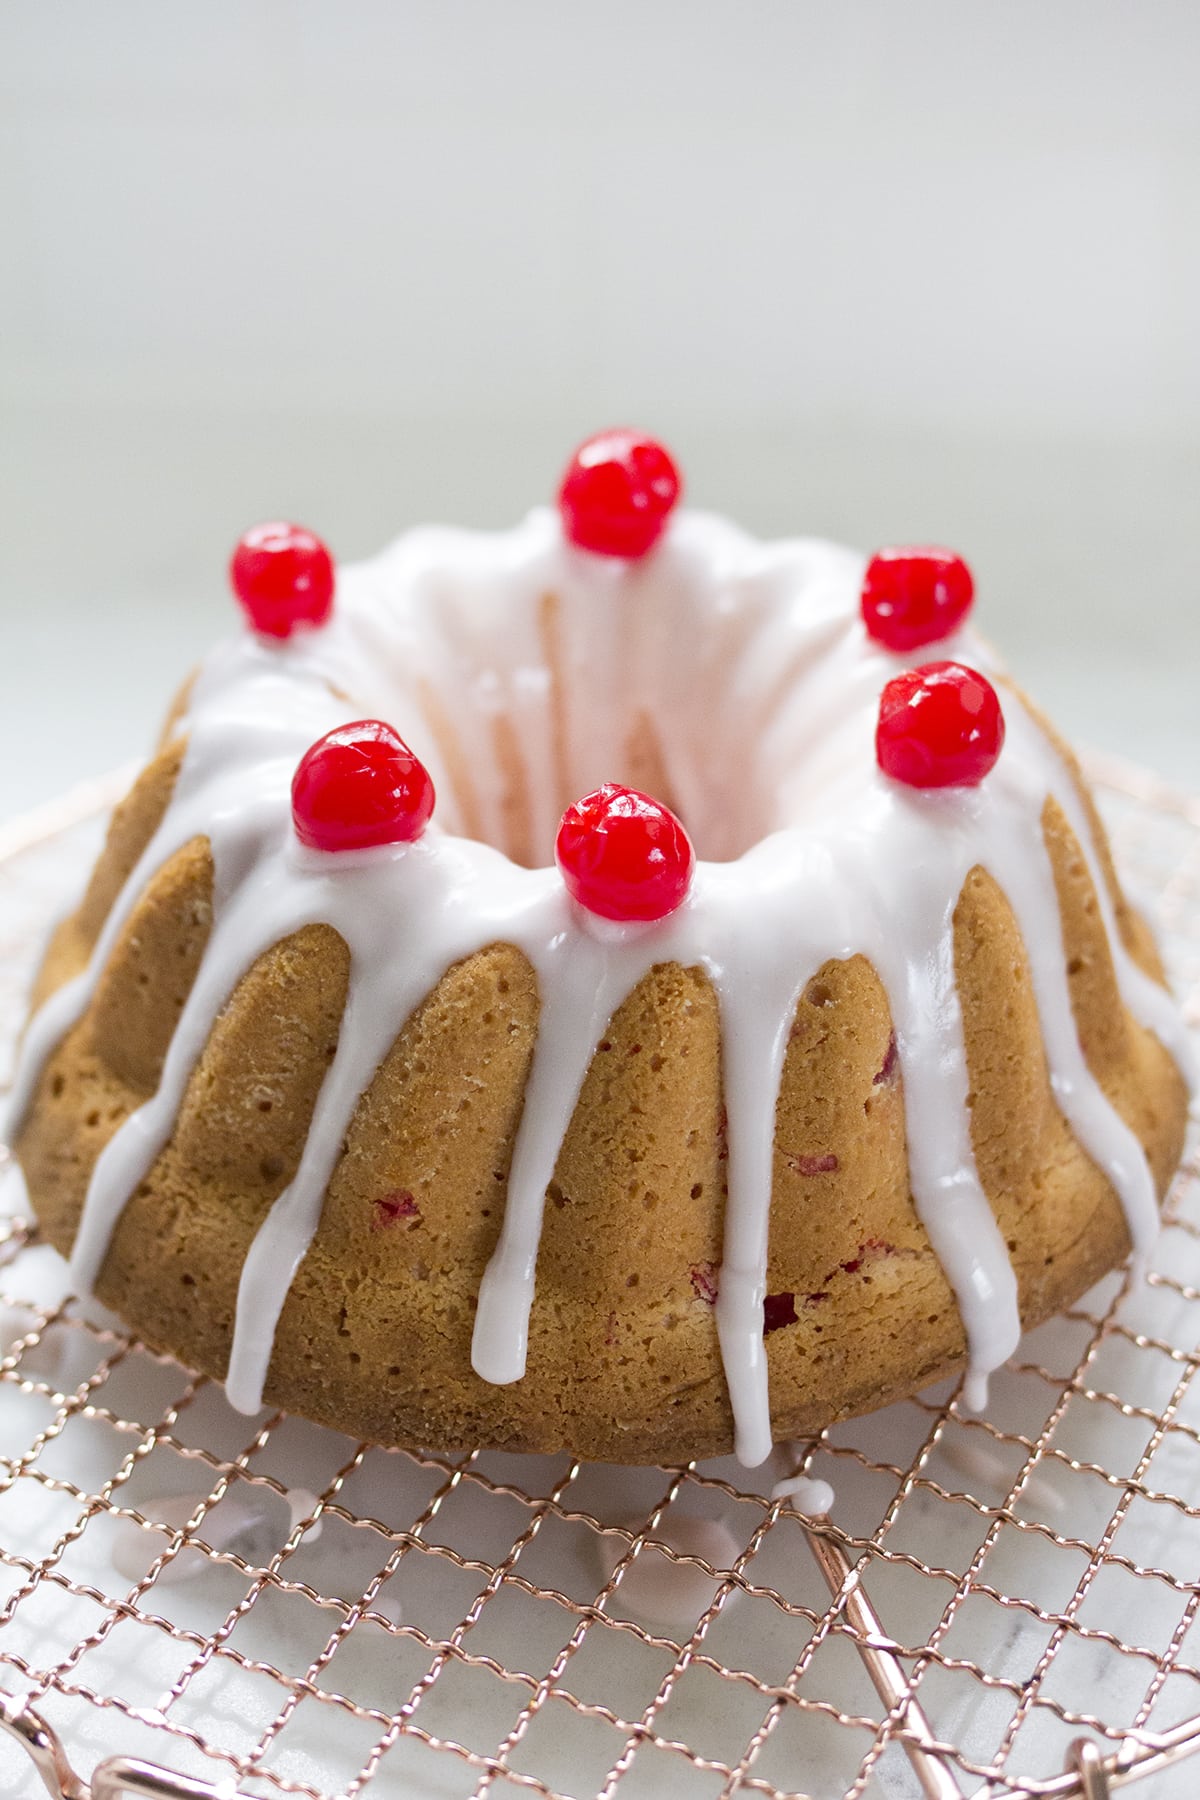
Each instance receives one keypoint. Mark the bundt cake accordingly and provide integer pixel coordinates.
(378, 1114)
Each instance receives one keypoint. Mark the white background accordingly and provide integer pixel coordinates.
(879, 271)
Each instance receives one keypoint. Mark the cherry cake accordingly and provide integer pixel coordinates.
(612, 984)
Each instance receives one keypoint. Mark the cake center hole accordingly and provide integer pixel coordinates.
(539, 718)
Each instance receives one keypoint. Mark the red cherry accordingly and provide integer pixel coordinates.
(778, 1310)
(915, 596)
(939, 726)
(617, 494)
(624, 855)
(360, 785)
(283, 576)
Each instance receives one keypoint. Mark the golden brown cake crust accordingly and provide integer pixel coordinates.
(624, 1361)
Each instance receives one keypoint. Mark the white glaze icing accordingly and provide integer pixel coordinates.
(811, 1497)
(248, 1521)
(809, 1494)
(744, 674)
(662, 1593)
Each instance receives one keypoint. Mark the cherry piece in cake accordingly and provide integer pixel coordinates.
(283, 576)
(939, 726)
(617, 494)
(624, 855)
(915, 596)
(778, 1310)
(359, 786)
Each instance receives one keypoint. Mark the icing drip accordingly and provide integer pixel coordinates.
(756, 1016)
(668, 1590)
(249, 1522)
(812, 1498)
(582, 983)
(484, 651)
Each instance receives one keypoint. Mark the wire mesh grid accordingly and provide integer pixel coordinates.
(1003, 1605)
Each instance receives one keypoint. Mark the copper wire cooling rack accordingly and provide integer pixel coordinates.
(193, 1604)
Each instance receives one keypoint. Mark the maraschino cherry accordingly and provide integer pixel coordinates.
(283, 576)
(358, 786)
(915, 596)
(624, 855)
(939, 726)
(617, 494)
